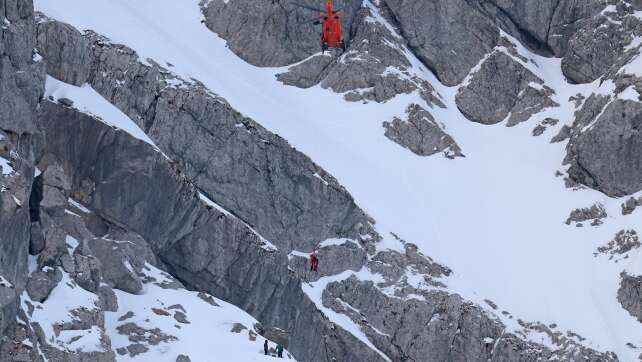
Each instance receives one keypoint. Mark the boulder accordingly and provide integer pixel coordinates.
(120, 265)
(88, 271)
(421, 134)
(40, 284)
(108, 299)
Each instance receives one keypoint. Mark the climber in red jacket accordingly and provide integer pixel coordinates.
(314, 261)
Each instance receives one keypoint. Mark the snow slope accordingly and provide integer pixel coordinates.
(207, 334)
(495, 217)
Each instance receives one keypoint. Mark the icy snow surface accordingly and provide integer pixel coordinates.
(495, 217)
(5, 167)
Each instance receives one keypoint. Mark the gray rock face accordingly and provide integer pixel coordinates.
(333, 260)
(630, 294)
(501, 87)
(237, 163)
(21, 86)
(595, 47)
(447, 28)
(470, 29)
(120, 263)
(40, 284)
(67, 54)
(205, 248)
(307, 73)
(545, 26)
(88, 271)
(421, 134)
(37, 240)
(440, 327)
(17, 343)
(607, 157)
(270, 33)
(108, 299)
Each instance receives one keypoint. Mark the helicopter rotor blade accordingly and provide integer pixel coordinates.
(312, 8)
(310, 21)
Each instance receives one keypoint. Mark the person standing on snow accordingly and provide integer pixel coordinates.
(279, 350)
(314, 261)
(265, 347)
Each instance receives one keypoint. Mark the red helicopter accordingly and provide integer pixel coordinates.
(329, 19)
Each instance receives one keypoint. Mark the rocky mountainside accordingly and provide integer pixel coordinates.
(469, 173)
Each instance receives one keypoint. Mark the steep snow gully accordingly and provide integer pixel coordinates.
(495, 217)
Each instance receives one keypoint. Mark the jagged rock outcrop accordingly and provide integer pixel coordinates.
(595, 213)
(630, 294)
(234, 161)
(618, 248)
(421, 322)
(21, 86)
(421, 134)
(471, 29)
(543, 125)
(607, 156)
(604, 144)
(451, 38)
(307, 73)
(596, 46)
(503, 88)
(270, 33)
